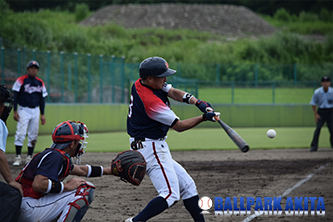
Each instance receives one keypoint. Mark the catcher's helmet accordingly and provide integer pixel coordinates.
(155, 66)
(33, 63)
(7, 98)
(67, 132)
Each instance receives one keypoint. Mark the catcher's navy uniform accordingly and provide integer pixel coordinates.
(51, 163)
(37, 206)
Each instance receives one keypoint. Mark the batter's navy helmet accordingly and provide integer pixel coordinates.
(155, 66)
(33, 63)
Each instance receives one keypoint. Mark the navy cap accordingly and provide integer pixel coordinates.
(32, 63)
(325, 79)
(155, 66)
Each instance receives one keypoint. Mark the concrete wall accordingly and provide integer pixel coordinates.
(112, 117)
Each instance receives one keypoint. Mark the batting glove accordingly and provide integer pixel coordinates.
(210, 116)
(202, 105)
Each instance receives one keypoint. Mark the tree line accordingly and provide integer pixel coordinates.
(268, 7)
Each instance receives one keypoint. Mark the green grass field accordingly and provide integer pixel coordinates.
(256, 95)
(199, 139)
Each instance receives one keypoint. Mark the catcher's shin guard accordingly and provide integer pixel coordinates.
(80, 206)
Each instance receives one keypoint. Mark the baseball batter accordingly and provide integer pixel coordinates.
(149, 119)
(29, 93)
(45, 197)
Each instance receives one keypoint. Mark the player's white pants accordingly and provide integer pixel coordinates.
(169, 178)
(28, 118)
(47, 208)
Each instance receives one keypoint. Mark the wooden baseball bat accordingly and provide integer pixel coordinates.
(243, 146)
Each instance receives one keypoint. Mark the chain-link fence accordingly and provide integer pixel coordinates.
(85, 78)
(70, 77)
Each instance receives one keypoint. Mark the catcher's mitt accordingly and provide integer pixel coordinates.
(130, 166)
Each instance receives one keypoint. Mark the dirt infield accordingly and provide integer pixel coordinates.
(258, 173)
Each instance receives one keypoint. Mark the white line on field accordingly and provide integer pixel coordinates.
(289, 190)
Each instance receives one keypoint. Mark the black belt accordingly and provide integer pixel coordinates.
(142, 139)
(137, 142)
(139, 138)
(31, 107)
(325, 109)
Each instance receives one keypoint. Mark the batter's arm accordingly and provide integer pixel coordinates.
(178, 95)
(182, 125)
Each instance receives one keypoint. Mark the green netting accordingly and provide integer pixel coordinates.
(85, 78)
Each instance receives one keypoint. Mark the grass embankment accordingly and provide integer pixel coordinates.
(60, 31)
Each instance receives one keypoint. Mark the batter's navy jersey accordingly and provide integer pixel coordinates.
(149, 112)
(30, 90)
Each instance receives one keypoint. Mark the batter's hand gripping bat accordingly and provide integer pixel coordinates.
(243, 146)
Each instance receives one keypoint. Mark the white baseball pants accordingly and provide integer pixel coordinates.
(28, 119)
(49, 207)
(169, 178)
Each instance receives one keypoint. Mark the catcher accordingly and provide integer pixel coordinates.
(46, 197)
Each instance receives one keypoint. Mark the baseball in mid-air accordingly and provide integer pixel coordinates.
(271, 133)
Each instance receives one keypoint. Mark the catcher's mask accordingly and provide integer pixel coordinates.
(67, 132)
(7, 99)
(155, 66)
